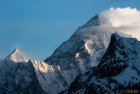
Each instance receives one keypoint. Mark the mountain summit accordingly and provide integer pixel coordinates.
(17, 56)
(95, 59)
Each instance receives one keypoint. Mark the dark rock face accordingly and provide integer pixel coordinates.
(65, 54)
(115, 59)
(34, 87)
(21, 79)
(110, 76)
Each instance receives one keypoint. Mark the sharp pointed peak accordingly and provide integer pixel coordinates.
(17, 56)
(16, 50)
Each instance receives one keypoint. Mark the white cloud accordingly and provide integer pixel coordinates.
(126, 20)
(122, 16)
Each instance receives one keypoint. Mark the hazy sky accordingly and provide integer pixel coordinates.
(38, 27)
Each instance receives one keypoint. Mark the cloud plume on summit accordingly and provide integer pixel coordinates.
(122, 16)
(126, 20)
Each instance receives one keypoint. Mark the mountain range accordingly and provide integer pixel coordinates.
(99, 58)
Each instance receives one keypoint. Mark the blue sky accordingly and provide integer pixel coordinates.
(38, 27)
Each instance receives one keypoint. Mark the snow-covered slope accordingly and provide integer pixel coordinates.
(17, 56)
(103, 60)
(116, 71)
(32, 77)
(50, 77)
(85, 48)
(81, 52)
(18, 76)
(10, 61)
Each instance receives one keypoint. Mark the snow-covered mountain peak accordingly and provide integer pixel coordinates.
(97, 56)
(125, 20)
(117, 70)
(116, 17)
(17, 56)
(98, 20)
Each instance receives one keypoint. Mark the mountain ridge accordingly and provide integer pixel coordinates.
(17, 56)
(114, 73)
(95, 59)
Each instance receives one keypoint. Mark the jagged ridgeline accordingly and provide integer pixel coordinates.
(101, 57)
